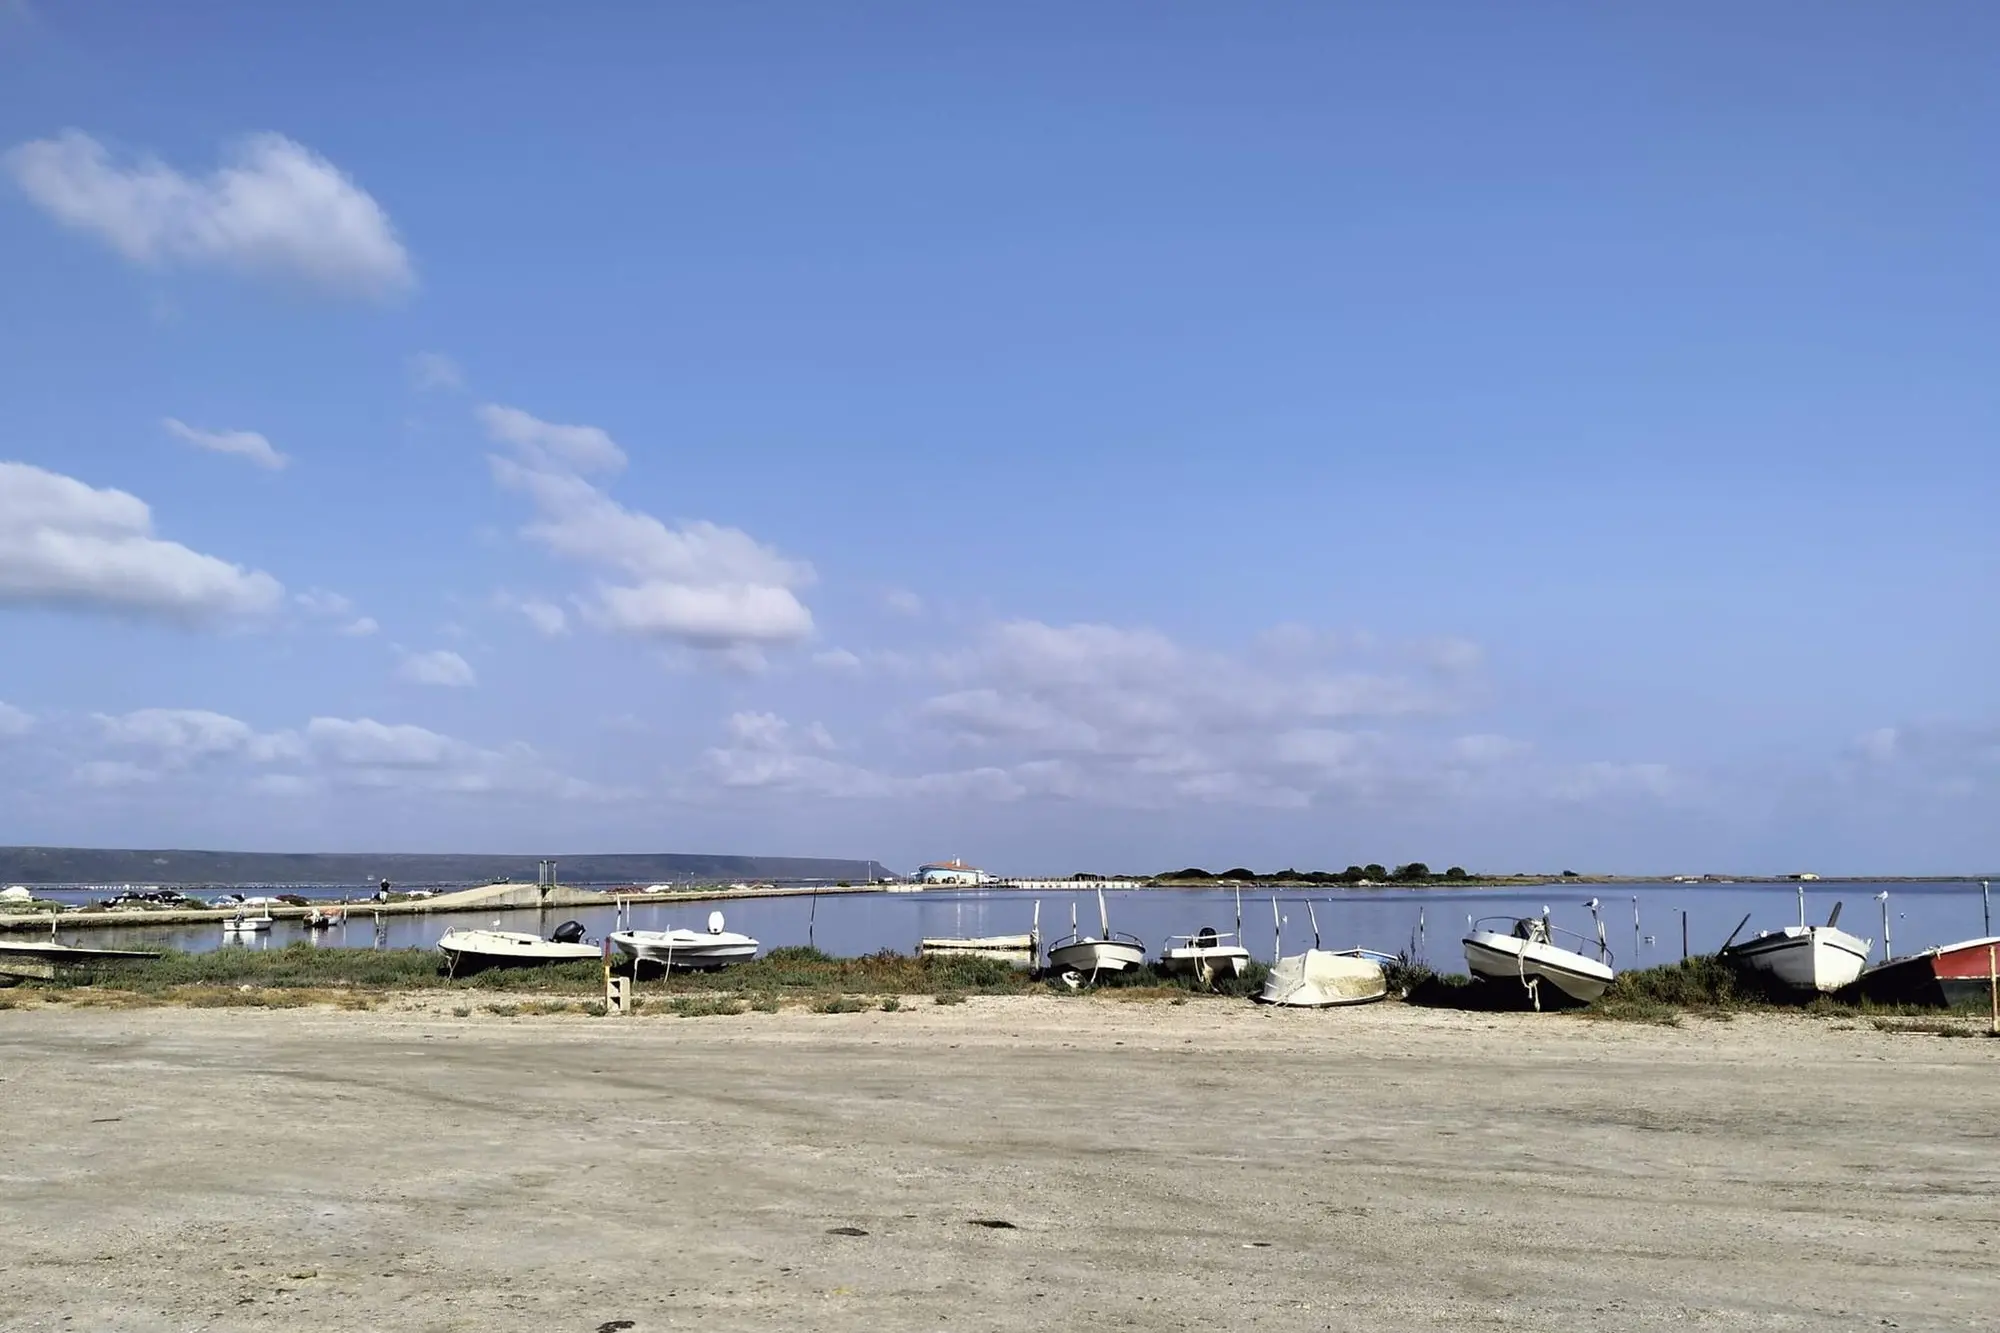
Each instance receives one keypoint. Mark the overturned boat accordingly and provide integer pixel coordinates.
(1820, 959)
(471, 950)
(1321, 978)
(686, 948)
(1532, 952)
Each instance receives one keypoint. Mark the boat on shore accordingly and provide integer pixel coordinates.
(685, 948)
(472, 950)
(1322, 978)
(1945, 977)
(1820, 959)
(1080, 958)
(1532, 952)
(1207, 953)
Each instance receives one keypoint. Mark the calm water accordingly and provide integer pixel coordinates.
(1429, 923)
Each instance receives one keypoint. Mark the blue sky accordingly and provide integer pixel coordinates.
(1061, 436)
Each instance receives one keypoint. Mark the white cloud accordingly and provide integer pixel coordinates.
(15, 721)
(64, 543)
(113, 773)
(320, 602)
(245, 444)
(700, 584)
(366, 743)
(768, 753)
(547, 618)
(903, 602)
(546, 444)
(837, 659)
(274, 208)
(359, 628)
(434, 370)
(438, 667)
(179, 737)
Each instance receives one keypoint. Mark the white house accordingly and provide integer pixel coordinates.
(953, 871)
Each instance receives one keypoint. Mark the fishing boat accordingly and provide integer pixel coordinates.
(686, 948)
(1947, 976)
(1014, 950)
(1530, 951)
(1321, 978)
(1079, 958)
(471, 950)
(1820, 959)
(1205, 954)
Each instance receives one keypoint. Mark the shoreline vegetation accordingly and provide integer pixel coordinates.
(301, 975)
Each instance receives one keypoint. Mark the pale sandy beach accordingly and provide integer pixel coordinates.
(1160, 1166)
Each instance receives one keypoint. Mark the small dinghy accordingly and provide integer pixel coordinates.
(1207, 954)
(1812, 959)
(1014, 950)
(686, 948)
(1079, 958)
(471, 950)
(243, 924)
(1531, 951)
(1322, 978)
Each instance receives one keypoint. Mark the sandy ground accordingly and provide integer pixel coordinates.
(1161, 1166)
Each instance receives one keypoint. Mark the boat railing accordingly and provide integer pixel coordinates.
(1203, 939)
(1109, 937)
(1539, 930)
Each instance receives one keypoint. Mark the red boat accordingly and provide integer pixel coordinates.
(1948, 976)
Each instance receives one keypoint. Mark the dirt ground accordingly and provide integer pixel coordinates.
(1007, 1163)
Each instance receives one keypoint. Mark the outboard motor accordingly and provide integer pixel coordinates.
(569, 932)
(1206, 937)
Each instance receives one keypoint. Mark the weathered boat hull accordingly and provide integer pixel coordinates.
(1321, 979)
(1805, 958)
(1096, 956)
(1951, 976)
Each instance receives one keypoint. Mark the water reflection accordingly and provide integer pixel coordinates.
(1643, 922)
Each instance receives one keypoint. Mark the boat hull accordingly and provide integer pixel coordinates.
(1014, 950)
(1319, 979)
(1096, 956)
(1221, 960)
(1492, 956)
(685, 949)
(1948, 977)
(471, 950)
(1804, 958)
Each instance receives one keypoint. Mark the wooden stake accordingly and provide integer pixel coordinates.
(1993, 984)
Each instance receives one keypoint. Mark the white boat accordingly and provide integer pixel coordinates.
(242, 924)
(1321, 978)
(1017, 950)
(1079, 958)
(1206, 953)
(686, 948)
(1820, 959)
(470, 950)
(1529, 951)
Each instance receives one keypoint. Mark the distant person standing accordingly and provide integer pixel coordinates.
(382, 894)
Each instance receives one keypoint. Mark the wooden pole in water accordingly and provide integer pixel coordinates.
(1993, 983)
(1684, 935)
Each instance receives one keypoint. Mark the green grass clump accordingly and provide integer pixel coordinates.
(950, 997)
(705, 1006)
(892, 1004)
(840, 1004)
(1149, 982)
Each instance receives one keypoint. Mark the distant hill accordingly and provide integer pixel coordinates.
(90, 865)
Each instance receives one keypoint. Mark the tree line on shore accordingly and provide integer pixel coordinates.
(1415, 872)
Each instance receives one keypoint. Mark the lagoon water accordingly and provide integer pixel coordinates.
(1427, 923)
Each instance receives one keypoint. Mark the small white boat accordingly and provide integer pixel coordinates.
(1206, 954)
(243, 924)
(686, 948)
(1015, 950)
(1322, 978)
(1530, 951)
(1819, 959)
(1079, 958)
(470, 950)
